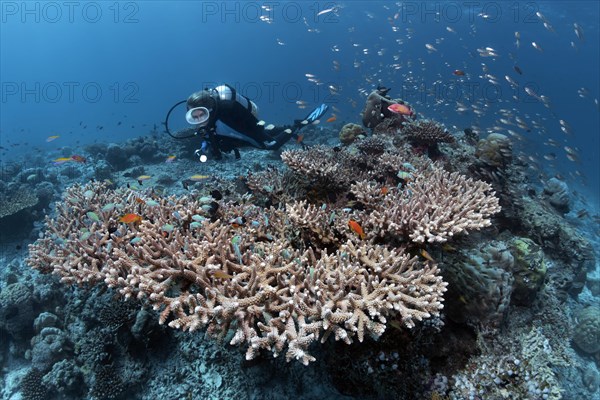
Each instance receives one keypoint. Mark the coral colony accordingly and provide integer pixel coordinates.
(405, 243)
(284, 278)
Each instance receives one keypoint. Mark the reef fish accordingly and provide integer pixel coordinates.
(400, 109)
(62, 160)
(356, 228)
(130, 218)
(78, 158)
(197, 178)
(143, 178)
(426, 255)
(221, 274)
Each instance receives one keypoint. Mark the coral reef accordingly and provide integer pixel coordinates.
(495, 150)
(427, 133)
(17, 304)
(435, 206)
(277, 280)
(494, 155)
(557, 193)
(480, 284)
(587, 332)
(544, 226)
(371, 146)
(529, 270)
(337, 246)
(32, 387)
(12, 203)
(350, 132)
(524, 373)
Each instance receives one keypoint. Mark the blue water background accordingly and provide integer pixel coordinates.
(129, 62)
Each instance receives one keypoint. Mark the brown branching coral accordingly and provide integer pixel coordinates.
(278, 186)
(426, 133)
(334, 169)
(249, 277)
(390, 126)
(371, 146)
(433, 207)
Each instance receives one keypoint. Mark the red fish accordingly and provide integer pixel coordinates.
(131, 218)
(78, 158)
(331, 119)
(356, 228)
(459, 72)
(400, 109)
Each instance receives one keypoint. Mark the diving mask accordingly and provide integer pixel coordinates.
(197, 116)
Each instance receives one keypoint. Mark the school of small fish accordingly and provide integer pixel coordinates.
(418, 62)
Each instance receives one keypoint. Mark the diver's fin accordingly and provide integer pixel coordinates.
(314, 115)
(317, 113)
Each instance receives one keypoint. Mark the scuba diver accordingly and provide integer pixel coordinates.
(227, 120)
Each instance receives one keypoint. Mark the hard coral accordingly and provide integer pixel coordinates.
(427, 133)
(433, 207)
(249, 277)
(495, 150)
(480, 284)
(587, 332)
(14, 202)
(350, 132)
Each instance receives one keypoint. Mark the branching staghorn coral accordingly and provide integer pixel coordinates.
(236, 268)
(276, 278)
(434, 206)
(336, 169)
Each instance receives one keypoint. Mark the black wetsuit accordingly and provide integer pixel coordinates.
(240, 119)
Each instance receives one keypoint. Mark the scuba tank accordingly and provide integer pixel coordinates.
(227, 93)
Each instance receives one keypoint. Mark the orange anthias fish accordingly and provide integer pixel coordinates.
(459, 72)
(131, 218)
(331, 119)
(400, 109)
(356, 228)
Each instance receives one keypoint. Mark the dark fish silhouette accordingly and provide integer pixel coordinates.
(518, 70)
